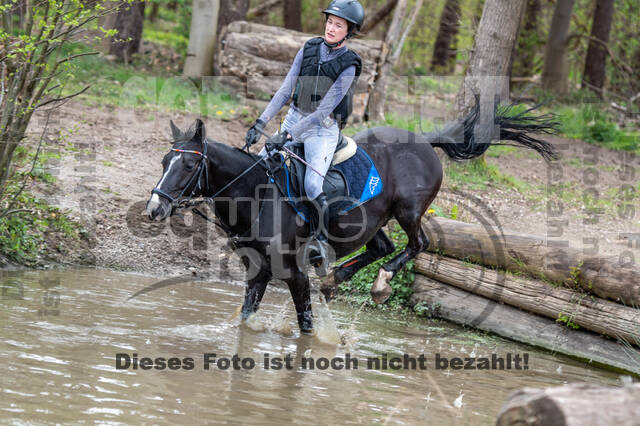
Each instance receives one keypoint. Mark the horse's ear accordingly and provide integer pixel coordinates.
(175, 132)
(200, 133)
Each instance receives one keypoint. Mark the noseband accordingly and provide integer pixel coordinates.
(203, 167)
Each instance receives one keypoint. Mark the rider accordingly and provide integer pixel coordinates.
(321, 81)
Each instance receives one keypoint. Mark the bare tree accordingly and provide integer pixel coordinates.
(293, 15)
(202, 38)
(495, 39)
(528, 41)
(34, 67)
(556, 68)
(128, 25)
(445, 48)
(595, 64)
(391, 49)
(231, 10)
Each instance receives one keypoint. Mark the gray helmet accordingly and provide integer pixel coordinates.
(349, 10)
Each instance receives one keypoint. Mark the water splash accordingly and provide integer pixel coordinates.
(458, 402)
(280, 323)
(350, 337)
(326, 330)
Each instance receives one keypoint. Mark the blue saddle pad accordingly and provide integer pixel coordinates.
(362, 177)
(363, 180)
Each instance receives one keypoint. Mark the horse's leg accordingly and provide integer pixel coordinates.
(410, 221)
(301, 294)
(378, 247)
(254, 292)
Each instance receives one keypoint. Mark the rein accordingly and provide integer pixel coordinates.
(203, 167)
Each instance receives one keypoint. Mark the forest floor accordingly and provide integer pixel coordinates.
(111, 159)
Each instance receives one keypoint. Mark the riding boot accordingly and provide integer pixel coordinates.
(320, 217)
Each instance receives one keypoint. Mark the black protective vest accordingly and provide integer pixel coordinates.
(316, 78)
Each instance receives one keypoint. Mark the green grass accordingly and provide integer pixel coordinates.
(23, 234)
(478, 176)
(591, 124)
(167, 33)
(126, 86)
(411, 124)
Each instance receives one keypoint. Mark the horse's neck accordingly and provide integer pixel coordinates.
(225, 165)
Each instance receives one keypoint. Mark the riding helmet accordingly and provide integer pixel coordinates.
(349, 10)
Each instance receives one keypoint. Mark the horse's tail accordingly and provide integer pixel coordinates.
(467, 139)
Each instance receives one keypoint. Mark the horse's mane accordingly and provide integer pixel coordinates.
(189, 134)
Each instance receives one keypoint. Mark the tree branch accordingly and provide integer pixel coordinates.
(8, 210)
(379, 16)
(628, 69)
(398, 48)
(63, 98)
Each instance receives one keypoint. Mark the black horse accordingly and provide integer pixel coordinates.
(268, 236)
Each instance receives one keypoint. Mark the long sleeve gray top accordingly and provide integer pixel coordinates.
(334, 96)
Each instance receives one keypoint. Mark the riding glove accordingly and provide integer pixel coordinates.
(276, 141)
(253, 134)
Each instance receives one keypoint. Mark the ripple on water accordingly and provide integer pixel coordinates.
(42, 358)
(104, 410)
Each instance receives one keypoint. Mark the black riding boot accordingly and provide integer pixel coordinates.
(319, 254)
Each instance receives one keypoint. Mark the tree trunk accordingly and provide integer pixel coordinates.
(129, 26)
(375, 108)
(477, 15)
(595, 65)
(293, 15)
(379, 16)
(575, 404)
(444, 50)
(155, 9)
(556, 67)
(231, 10)
(202, 38)
(488, 70)
(635, 66)
(528, 41)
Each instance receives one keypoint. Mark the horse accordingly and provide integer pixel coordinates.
(269, 238)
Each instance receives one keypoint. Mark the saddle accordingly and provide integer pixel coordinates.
(351, 180)
(335, 183)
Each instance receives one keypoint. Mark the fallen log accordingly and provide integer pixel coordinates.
(579, 404)
(261, 67)
(576, 309)
(369, 50)
(492, 246)
(459, 306)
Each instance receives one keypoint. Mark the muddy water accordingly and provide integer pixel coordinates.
(61, 331)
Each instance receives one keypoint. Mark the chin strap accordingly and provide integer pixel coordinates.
(336, 44)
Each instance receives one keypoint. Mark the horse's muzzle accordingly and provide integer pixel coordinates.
(158, 208)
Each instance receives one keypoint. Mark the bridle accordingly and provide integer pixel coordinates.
(203, 167)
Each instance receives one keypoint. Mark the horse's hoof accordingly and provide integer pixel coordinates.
(309, 332)
(381, 290)
(329, 287)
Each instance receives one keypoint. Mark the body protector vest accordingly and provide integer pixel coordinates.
(316, 78)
